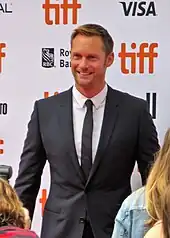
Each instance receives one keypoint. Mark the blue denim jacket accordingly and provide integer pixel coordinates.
(132, 216)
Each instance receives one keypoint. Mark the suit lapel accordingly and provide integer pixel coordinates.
(109, 120)
(66, 123)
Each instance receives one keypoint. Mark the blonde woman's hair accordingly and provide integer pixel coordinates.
(11, 208)
(166, 212)
(158, 182)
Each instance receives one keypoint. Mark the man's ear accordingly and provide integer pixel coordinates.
(110, 59)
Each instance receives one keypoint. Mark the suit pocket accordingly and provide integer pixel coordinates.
(53, 224)
(57, 210)
(57, 215)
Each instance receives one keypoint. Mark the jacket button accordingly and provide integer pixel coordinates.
(82, 220)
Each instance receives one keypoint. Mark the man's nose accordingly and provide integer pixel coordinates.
(83, 63)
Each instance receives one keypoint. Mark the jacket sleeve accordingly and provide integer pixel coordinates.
(147, 143)
(121, 223)
(132, 216)
(31, 165)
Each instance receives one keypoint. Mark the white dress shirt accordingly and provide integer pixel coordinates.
(79, 111)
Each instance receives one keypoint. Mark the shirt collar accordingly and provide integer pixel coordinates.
(97, 100)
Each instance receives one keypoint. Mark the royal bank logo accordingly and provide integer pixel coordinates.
(139, 8)
(64, 58)
(48, 57)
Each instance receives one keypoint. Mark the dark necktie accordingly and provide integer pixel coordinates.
(86, 149)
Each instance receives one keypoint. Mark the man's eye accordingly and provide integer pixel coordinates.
(92, 57)
(76, 56)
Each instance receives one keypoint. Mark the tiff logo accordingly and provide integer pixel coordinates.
(142, 8)
(43, 200)
(1, 143)
(46, 94)
(152, 102)
(145, 54)
(61, 8)
(2, 54)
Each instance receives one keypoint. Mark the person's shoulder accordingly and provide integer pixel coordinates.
(135, 201)
(128, 98)
(58, 98)
(155, 231)
(131, 209)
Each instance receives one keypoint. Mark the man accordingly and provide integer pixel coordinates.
(91, 146)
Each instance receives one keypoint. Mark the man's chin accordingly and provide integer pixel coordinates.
(84, 83)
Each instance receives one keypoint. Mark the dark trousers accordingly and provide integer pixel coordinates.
(87, 233)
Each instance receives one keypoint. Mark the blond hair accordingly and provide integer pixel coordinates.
(11, 208)
(158, 182)
(95, 30)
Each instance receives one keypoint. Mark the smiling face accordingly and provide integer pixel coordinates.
(88, 64)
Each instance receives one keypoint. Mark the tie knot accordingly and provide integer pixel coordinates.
(89, 104)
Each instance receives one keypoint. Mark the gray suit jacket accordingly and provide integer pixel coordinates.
(128, 135)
